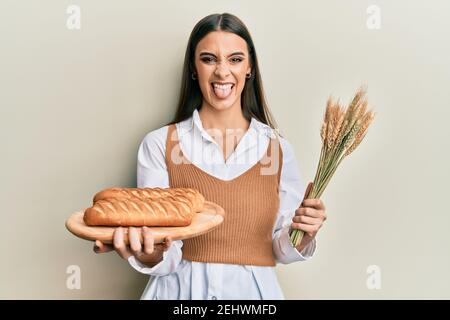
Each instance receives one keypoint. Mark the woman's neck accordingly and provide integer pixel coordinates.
(224, 120)
(226, 127)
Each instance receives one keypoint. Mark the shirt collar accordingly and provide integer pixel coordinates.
(194, 123)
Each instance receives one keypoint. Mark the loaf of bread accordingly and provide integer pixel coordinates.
(157, 207)
(189, 195)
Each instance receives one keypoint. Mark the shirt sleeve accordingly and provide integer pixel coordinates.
(291, 194)
(152, 173)
(169, 263)
(151, 163)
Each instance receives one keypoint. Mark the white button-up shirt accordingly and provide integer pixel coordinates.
(177, 278)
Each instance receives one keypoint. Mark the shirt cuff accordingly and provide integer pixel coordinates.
(142, 268)
(291, 253)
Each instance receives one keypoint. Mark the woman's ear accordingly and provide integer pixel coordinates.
(193, 67)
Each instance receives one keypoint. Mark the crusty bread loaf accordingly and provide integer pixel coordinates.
(167, 212)
(188, 195)
(157, 207)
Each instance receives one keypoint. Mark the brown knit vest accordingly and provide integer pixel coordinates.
(250, 201)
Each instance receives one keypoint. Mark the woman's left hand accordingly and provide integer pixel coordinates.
(309, 218)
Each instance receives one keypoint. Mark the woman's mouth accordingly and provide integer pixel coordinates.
(222, 91)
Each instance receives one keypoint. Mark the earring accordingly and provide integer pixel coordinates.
(248, 75)
(193, 76)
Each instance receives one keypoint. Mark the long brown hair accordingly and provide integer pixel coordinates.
(253, 102)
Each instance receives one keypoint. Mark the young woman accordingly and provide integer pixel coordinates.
(223, 142)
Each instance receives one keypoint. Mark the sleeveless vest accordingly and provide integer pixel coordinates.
(250, 201)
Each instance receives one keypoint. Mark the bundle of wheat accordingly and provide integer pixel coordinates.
(342, 131)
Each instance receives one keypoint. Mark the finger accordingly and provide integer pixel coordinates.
(119, 244)
(100, 247)
(307, 220)
(148, 241)
(313, 203)
(305, 227)
(135, 241)
(310, 212)
(167, 243)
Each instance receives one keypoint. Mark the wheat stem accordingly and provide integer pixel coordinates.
(341, 133)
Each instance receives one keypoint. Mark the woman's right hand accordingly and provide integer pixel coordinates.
(149, 253)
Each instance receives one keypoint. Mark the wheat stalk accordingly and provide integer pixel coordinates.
(341, 132)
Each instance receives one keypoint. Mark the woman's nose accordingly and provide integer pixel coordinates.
(222, 70)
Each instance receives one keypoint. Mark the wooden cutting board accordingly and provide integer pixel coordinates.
(202, 222)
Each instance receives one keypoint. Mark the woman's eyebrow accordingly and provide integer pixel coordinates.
(212, 54)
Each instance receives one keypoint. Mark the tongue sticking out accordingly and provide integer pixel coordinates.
(222, 93)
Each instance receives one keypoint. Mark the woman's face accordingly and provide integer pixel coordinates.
(222, 62)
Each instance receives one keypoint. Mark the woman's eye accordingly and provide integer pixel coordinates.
(212, 59)
(208, 59)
